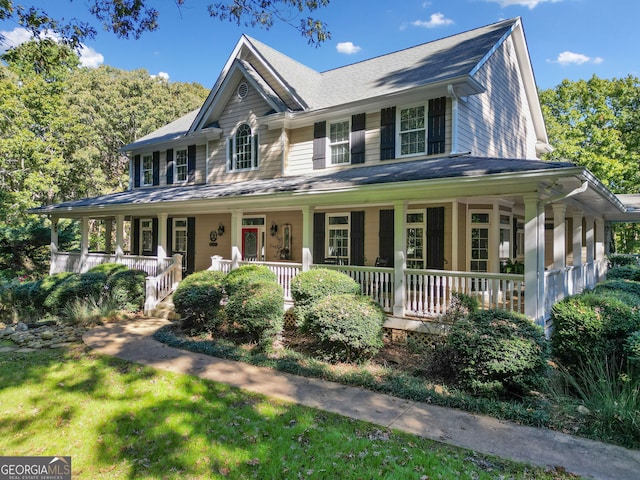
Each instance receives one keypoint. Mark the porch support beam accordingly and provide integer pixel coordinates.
(600, 249)
(236, 234)
(307, 238)
(162, 236)
(534, 259)
(454, 235)
(590, 248)
(54, 244)
(560, 243)
(108, 228)
(119, 236)
(577, 240)
(400, 260)
(84, 241)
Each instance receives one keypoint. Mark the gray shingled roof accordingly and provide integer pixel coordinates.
(432, 62)
(440, 168)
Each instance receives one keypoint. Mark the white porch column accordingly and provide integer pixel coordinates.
(533, 259)
(108, 228)
(119, 236)
(53, 244)
(577, 279)
(307, 238)
(236, 234)
(162, 236)
(590, 249)
(84, 242)
(400, 259)
(560, 244)
(601, 268)
(454, 235)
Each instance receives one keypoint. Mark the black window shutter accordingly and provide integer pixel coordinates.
(191, 163)
(318, 238)
(135, 237)
(169, 236)
(136, 171)
(386, 235)
(319, 145)
(437, 121)
(435, 238)
(256, 151)
(154, 237)
(388, 133)
(358, 131)
(357, 238)
(156, 168)
(191, 244)
(170, 166)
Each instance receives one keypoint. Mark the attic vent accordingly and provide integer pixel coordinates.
(243, 89)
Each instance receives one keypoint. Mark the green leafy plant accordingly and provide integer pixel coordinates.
(197, 300)
(496, 353)
(627, 272)
(257, 309)
(308, 288)
(347, 326)
(238, 279)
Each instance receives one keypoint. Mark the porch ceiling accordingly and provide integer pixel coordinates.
(414, 180)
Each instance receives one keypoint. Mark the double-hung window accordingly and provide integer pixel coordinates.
(480, 226)
(243, 149)
(147, 170)
(415, 239)
(338, 236)
(146, 235)
(413, 131)
(339, 142)
(181, 165)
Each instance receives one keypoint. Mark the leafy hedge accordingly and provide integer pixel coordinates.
(257, 309)
(347, 326)
(310, 287)
(197, 300)
(495, 353)
(626, 272)
(239, 278)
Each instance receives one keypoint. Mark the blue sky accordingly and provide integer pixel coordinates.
(572, 39)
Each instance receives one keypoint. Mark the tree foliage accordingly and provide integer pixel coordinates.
(133, 18)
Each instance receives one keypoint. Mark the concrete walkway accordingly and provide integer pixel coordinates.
(132, 341)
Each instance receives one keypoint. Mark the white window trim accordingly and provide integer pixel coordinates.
(422, 225)
(399, 132)
(255, 152)
(330, 144)
(491, 260)
(175, 165)
(329, 227)
(143, 170)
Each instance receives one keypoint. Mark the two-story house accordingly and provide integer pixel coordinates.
(418, 173)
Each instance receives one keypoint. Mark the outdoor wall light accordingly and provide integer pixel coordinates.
(220, 230)
(274, 229)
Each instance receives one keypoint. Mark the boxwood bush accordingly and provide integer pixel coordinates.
(127, 288)
(238, 278)
(197, 300)
(627, 272)
(347, 326)
(75, 286)
(593, 323)
(308, 288)
(258, 310)
(496, 353)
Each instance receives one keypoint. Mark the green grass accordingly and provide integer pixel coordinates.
(120, 420)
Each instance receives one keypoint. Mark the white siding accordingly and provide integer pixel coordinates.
(246, 110)
(498, 123)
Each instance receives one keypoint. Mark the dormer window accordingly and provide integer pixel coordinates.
(242, 149)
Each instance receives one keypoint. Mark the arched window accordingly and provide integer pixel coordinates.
(243, 149)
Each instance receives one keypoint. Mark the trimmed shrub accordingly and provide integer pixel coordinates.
(632, 352)
(239, 278)
(257, 309)
(623, 259)
(496, 353)
(627, 272)
(619, 285)
(197, 300)
(347, 326)
(308, 288)
(79, 286)
(127, 288)
(109, 269)
(593, 323)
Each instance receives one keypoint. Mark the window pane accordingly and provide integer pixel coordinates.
(243, 148)
(253, 221)
(479, 218)
(415, 218)
(339, 142)
(339, 132)
(412, 142)
(147, 170)
(181, 166)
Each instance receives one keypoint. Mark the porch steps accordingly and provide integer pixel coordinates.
(165, 309)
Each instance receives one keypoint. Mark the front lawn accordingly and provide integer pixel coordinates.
(120, 420)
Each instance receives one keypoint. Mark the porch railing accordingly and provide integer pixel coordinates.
(160, 286)
(429, 292)
(75, 262)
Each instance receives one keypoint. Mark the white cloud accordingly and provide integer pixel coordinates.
(436, 20)
(572, 58)
(162, 76)
(347, 48)
(12, 38)
(531, 4)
